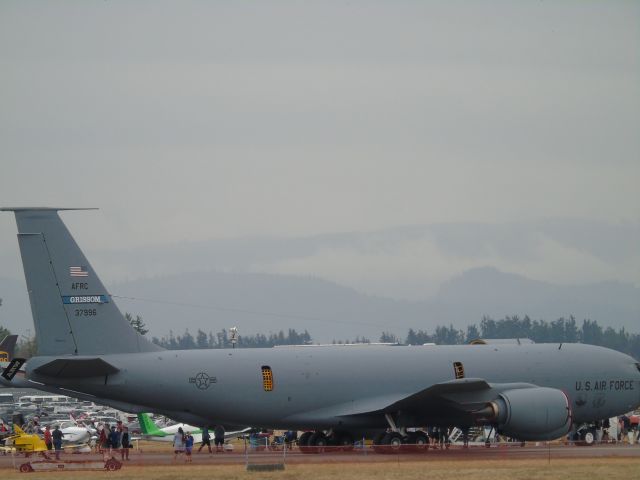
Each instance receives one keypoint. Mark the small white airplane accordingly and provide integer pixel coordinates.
(77, 435)
(74, 438)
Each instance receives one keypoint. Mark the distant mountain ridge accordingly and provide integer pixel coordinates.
(257, 302)
(497, 293)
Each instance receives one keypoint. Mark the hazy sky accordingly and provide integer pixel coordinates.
(206, 120)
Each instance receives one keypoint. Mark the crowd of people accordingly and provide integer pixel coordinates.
(627, 431)
(114, 439)
(183, 442)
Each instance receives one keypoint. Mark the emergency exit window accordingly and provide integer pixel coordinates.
(267, 378)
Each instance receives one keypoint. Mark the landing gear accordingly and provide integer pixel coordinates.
(317, 443)
(303, 442)
(392, 442)
(342, 440)
(397, 439)
(588, 437)
(419, 441)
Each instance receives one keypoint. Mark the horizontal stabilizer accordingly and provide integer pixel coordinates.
(76, 368)
(13, 368)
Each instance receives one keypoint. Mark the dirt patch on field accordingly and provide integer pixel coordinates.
(627, 468)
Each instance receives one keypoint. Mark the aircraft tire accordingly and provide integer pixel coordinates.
(318, 442)
(344, 441)
(418, 441)
(303, 442)
(393, 442)
(588, 438)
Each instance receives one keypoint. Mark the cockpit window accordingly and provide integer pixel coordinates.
(638, 366)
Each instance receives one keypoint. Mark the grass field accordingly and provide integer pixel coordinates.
(600, 468)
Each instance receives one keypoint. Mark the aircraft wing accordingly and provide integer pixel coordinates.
(462, 391)
(465, 395)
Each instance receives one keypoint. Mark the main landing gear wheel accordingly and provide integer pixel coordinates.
(303, 442)
(317, 442)
(418, 441)
(344, 441)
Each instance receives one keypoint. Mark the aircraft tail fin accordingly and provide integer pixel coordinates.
(71, 309)
(7, 348)
(148, 427)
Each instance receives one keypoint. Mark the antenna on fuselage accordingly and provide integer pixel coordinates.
(233, 331)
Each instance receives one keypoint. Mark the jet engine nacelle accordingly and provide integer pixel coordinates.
(538, 413)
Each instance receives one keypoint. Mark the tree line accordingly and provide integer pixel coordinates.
(222, 339)
(561, 330)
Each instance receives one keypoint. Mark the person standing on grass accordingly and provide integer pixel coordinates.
(206, 439)
(103, 440)
(178, 443)
(48, 439)
(188, 446)
(218, 438)
(114, 440)
(57, 440)
(124, 452)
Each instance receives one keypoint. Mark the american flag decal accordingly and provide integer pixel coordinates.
(78, 271)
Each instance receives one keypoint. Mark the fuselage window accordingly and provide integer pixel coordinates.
(458, 369)
(267, 378)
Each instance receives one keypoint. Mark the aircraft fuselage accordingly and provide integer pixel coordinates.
(315, 386)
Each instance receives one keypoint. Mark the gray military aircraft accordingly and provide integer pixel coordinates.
(86, 347)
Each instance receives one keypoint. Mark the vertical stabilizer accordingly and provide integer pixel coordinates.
(72, 311)
(148, 427)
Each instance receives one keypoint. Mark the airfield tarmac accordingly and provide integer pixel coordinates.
(495, 463)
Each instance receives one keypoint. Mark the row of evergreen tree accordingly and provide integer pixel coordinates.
(562, 330)
(566, 330)
(223, 339)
